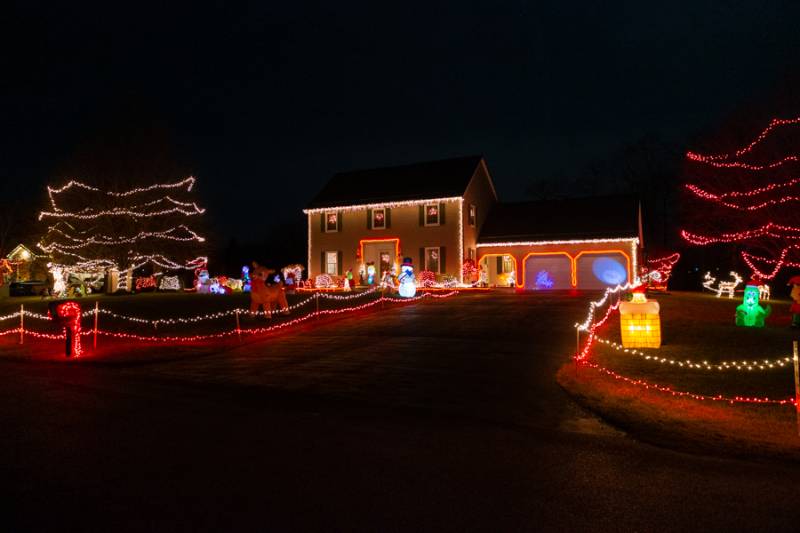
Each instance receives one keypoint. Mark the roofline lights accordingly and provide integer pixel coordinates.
(379, 205)
(634, 240)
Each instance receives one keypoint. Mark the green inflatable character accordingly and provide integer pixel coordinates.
(750, 313)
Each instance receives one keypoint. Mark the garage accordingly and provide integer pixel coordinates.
(548, 272)
(599, 270)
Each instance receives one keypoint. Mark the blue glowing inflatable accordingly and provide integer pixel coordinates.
(609, 271)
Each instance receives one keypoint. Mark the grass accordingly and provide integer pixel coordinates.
(698, 327)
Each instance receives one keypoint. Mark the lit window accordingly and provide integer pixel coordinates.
(432, 215)
(332, 263)
(379, 219)
(508, 264)
(473, 214)
(432, 259)
(331, 222)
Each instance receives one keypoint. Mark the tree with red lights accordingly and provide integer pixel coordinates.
(750, 198)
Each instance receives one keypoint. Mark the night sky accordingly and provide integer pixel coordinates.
(263, 102)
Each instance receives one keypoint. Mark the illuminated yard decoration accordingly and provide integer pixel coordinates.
(143, 283)
(370, 274)
(640, 321)
(96, 230)
(203, 283)
(5, 270)
(750, 313)
(543, 280)
(794, 281)
(324, 281)
(427, 279)
(295, 269)
(659, 270)
(727, 287)
(246, 281)
(59, 280)
(763, 292)
(170, 283)
(748, 198)
(408, 286)
(469, 271)
(68, 316)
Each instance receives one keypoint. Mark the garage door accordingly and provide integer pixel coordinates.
(599, 271)
(548, 272)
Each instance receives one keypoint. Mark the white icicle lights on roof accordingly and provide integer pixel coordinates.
(96, 229)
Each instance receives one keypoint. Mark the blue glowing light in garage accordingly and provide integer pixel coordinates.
(609, 271)
(543, 280)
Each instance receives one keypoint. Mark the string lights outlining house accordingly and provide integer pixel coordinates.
(443, 213)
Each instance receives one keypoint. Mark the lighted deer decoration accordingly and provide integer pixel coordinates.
(727, 287)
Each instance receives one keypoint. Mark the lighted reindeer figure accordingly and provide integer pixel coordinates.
(728, 287)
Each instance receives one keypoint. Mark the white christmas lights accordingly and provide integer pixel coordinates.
(360, 207)
(727, 287)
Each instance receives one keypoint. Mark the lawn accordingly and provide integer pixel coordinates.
(698, 329)
(154, 306)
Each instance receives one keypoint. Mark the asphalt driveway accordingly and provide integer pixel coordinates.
(443, 415)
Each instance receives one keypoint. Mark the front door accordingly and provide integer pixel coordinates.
(386, 261)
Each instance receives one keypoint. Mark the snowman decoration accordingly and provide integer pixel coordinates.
(408, 286)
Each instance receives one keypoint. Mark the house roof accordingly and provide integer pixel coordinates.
(599, 217)
(444, 178)
(20, 251)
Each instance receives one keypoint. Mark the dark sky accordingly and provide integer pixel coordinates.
(265, 101)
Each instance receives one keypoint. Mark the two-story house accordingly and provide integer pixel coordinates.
(431, 212)
(441, 213)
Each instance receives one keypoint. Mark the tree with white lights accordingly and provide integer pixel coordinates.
(92, 229)
(750, 198)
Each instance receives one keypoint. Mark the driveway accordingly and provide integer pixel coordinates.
(438, 416)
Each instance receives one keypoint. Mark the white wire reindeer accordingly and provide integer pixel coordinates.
(763, 292)
(724, 286)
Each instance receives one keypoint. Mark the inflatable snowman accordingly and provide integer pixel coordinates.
(408, 286)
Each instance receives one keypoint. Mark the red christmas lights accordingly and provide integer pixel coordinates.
(659, 270)
(778, 232)
(591, 325)
(68, 316)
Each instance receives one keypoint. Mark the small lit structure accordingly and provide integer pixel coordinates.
(640, 321)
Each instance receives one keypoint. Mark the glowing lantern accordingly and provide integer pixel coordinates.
(750, 314)
(640, 322)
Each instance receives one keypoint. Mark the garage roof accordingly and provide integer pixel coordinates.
(599, 217)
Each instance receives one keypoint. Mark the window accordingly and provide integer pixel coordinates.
(432, 214)
(508, 264)
(473, 214)
(332, 263)
(432, 259)
(331, 222)
(379, 219)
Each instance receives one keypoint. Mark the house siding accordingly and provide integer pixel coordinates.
(404, 225)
